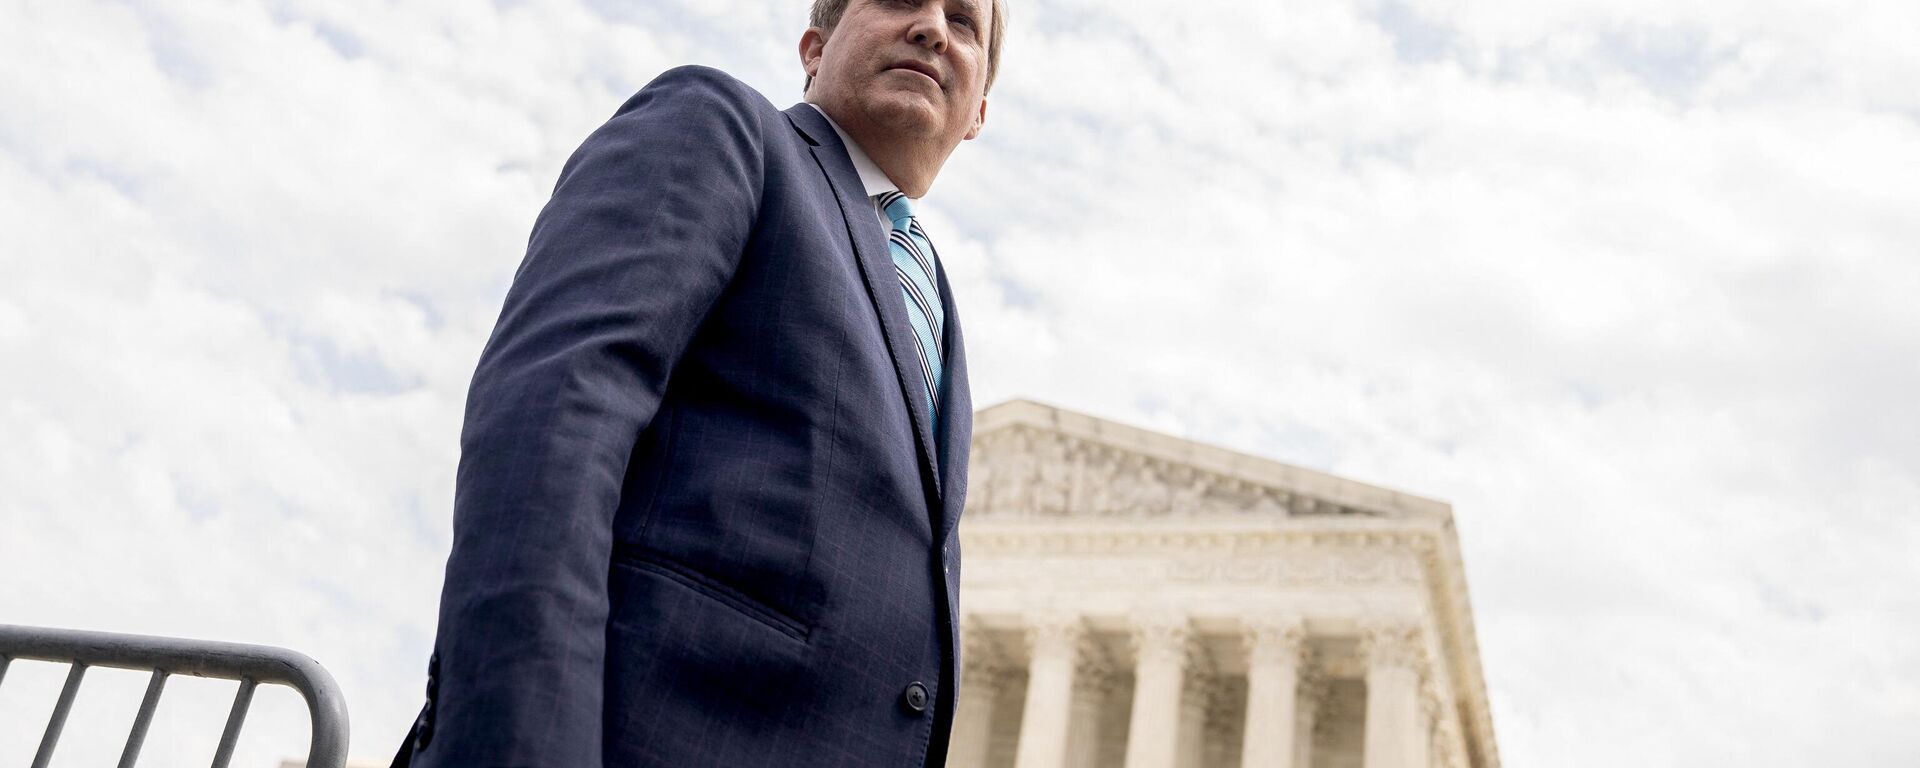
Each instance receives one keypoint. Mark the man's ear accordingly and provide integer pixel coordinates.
(979, 120)
(813, 44)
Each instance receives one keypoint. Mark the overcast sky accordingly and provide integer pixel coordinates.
(1633, 284)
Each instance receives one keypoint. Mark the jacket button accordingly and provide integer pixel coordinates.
(914, 698)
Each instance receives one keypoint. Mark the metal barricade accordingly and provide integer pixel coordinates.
(248, 664)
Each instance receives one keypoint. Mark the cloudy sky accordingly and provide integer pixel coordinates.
(1632, 283)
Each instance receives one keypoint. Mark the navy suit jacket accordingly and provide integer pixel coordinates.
(703, 516)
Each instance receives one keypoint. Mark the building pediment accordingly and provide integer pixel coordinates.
(1034, 460)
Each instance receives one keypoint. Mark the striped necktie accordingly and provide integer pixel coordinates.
(914, 259)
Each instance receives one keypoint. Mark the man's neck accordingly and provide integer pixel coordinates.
(904, 161)
(875, 180)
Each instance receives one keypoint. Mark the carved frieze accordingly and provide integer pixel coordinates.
(1024, 471)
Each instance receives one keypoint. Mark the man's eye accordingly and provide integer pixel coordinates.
(965, 21)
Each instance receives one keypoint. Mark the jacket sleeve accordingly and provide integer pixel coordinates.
(645, 228)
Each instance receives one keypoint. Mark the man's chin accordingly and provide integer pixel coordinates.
(904, 113)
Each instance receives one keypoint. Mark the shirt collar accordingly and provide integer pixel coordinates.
(871, 177)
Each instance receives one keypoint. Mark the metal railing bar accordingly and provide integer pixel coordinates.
(4, 661)
(326, 708)
(231, 735)
(138, 735)
(59, 718)
(228, 661)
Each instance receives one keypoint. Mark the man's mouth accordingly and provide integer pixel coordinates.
(915, 66)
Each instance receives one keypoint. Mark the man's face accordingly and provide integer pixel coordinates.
(911, 67)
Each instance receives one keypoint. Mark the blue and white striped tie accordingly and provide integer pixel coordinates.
(913, 259)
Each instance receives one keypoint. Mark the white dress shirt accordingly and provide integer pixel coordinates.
(871, 177)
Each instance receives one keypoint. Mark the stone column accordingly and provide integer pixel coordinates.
(1394, 736)
(1196, 698)
(980, 680)
(1160, 661)
(1273, 645)
(1092, 683)
(1053, 642)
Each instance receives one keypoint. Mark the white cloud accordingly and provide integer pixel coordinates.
(1627, 282)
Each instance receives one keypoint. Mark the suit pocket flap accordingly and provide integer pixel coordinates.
(714, 589)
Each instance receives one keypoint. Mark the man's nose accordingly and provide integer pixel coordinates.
(930, 27)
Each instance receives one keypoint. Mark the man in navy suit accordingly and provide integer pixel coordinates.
(716, 448)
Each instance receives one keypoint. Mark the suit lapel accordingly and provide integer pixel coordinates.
(956, 402)
(876, 267)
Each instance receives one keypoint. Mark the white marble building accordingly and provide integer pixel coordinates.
(1134, 600)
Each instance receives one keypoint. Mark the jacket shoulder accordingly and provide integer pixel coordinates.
(694, 83)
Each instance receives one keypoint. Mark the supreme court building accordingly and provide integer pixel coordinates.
(1133, 599)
